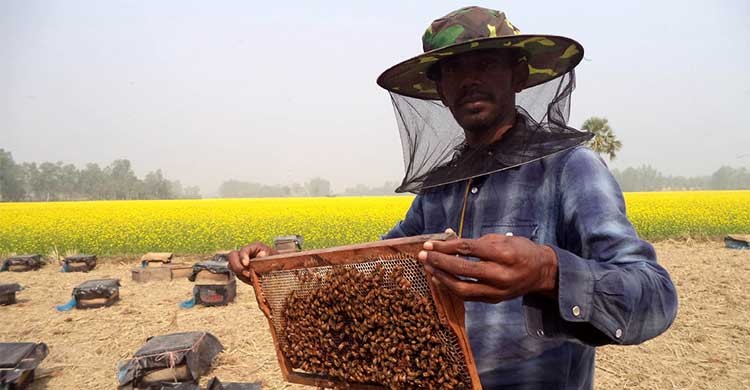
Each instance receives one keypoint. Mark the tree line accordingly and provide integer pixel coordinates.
(245, 189)
(314, 187)
(646, 178)
(49, 181)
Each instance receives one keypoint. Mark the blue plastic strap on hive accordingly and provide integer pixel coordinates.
(68, 306)
(188, 304)
(5, 266)
(64, 267)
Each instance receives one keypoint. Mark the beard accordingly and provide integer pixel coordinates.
(483, 120)
(479, 111)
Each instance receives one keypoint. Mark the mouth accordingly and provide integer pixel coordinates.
(473, 97)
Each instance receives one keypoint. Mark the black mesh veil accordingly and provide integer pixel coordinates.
(435, 151)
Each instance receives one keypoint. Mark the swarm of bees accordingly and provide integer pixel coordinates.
(369, 328)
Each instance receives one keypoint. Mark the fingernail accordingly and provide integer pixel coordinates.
(422, 255)
(428, 245)
(245, 262)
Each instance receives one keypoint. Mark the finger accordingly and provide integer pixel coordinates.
(455, 265)
(234, 261)
(469, 291)
(451, 233)
(245, 255)
(484, 249)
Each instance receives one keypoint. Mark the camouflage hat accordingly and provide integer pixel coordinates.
(476, 28)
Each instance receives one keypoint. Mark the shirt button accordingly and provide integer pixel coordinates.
(618, 333)
(576, 311)
(540, 333)
(474, 190)
(509, 234)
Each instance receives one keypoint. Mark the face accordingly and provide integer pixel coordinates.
(479, 88)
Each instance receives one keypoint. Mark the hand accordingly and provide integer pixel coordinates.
(239, 261)
(508, 267)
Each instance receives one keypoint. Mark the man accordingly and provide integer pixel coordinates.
(546, 260)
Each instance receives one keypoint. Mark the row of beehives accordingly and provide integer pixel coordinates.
(23, 263)
(172, 361)
(215, 284)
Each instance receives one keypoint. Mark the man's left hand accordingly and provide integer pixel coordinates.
(508, 267)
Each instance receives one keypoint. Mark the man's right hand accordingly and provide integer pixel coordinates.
(239, 261)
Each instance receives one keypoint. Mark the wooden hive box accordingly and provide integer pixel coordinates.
(79, 263)
(215, 284)
(216, 384)
(329, 312)
(180, 271)
(150, 274)
(18, 362)
(22, 263)
(97, 293)
(737, 241)
(286, 244)
(156, 257)
(221, 256)
(165, 359)
(8, 293)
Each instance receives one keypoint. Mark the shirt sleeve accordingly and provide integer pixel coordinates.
(611, 289)
(412, 224)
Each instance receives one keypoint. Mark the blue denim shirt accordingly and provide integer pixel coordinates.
(611, 290)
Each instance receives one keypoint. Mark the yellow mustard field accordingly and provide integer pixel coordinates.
(203, 226)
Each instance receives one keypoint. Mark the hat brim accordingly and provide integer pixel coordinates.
(548, 57)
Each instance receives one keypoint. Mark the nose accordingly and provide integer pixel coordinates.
(469, 81)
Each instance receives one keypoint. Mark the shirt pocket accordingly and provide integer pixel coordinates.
(521, 229)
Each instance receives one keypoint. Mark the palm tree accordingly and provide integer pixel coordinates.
(604, 141)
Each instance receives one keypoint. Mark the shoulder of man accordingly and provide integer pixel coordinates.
(579, 155)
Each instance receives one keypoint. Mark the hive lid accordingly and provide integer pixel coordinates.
(212, 266)
(291, 238)
(76, 258)
(9, 288)
(12, 353)
(194, 349)
(34, 257)
(96, 288)
(165, 257)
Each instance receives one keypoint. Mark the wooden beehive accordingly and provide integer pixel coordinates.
(97, 293)
(8, 293)
(156, 257)
(22, 263)
(215, 284)
(150, 274)
(79, 263)
(275, 278)
(286, 244)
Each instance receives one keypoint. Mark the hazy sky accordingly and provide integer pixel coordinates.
(281, 91)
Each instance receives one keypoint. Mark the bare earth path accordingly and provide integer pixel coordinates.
(708, 347)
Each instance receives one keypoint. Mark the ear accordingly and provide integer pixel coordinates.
(520, 75)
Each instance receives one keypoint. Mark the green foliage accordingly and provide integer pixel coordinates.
(604, 142)
(646, 178)
(58, 181)
(11, 183)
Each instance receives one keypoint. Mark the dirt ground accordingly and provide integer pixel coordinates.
(708, 347)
